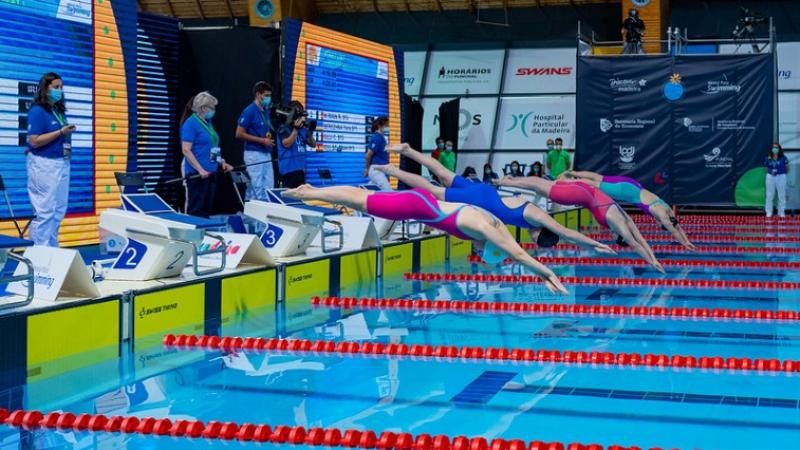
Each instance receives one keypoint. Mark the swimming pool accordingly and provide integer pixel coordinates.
(585, 402)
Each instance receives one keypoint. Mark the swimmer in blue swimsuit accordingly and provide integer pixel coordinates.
(514, 211)
(628, 190)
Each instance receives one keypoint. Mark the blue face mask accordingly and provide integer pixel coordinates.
(774, 150)
(266, 101)
(386, 130)
(549, 146)
(56, 95)
(210, 115)
(440, 146)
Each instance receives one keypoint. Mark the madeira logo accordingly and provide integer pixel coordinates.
(673, 89)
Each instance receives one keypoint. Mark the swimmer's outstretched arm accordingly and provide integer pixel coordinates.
(679, 235)
(498, 234)
(546, 220)
(441, 172)
(411, 179)
(349, 196)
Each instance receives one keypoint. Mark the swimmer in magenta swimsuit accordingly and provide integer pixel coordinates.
(628, 190)
(516, 211)
(457, 219)
(602, 207)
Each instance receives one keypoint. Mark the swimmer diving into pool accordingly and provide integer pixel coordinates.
(602, 207)
(628, 190)
(514, 211)
(457, 219)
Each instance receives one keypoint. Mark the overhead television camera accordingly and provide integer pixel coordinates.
(285, 116)
(745, 29)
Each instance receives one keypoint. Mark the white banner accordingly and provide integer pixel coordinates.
(464, 72)
(527, 123)
(540, 71)
(414, 64)
(59, 273)
(476, 120)
(789, 120)
(788, 62)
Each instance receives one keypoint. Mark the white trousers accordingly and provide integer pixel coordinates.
(262, 177)
(379, 179)
(48, 189)
(776, 182)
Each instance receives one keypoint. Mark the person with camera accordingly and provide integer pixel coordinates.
(202, 156)
(632, 32)
(255, 129)
(293, 137)
(48, 160)
(377, 155)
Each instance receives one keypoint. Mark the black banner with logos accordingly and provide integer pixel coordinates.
(692, 129)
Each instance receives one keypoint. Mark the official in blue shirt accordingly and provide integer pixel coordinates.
(48, 154)
(777, 165)
(377, 155)
(255, 130)
(202, 155)
(292, 141)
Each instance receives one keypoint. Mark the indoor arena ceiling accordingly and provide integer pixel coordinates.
(212, 9)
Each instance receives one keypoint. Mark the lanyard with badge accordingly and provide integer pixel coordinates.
(67, 144)
(265, 123)
(216, 152)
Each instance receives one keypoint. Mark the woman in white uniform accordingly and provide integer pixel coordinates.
(48, 160)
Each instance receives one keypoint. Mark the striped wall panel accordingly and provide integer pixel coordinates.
(158, 60)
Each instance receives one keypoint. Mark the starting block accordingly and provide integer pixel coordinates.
(24, 273)
(50, 274)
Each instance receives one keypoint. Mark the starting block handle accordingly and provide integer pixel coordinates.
(222, 250)
(407, 228)
(27, 277)
(339, 232)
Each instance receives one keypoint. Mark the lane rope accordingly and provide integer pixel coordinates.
(728, 249)
(609, 281)
(277, 434)
(482, 307)
(593, 359)
(704, 238)
(718, 229)
(590, 261)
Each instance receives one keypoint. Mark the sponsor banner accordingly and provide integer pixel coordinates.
(686, 127)
(414, 64)
(476, 119)
(789, 120)
(540, 71)
(527, 123)
(464, 72)
(788, 63)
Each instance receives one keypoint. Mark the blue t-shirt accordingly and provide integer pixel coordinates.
(40, 121)
(776, 166)
(377, 143)
(256, 123)
(292, 158)
(194, 131)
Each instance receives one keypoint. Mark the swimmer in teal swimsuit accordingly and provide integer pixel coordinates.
(516, 211)
(602, 207)
(628, 190)
(458, 219)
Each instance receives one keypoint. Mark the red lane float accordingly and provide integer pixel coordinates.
(704, 238)
(726, 219)
(652, 227)
(610, 281)
(517, 355)
(279, 434)
(461, 306)
(591, 261)
(728, 249)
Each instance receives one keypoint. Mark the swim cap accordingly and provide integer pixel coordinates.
(492, 254)
(546, 238)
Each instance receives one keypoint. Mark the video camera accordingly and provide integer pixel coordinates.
(285, 116)
(747, 23)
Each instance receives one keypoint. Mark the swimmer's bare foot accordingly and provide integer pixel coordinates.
(388, 169)
(300, 193)
(398, 148)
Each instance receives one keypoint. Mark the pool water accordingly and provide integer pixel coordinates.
(628, 406)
